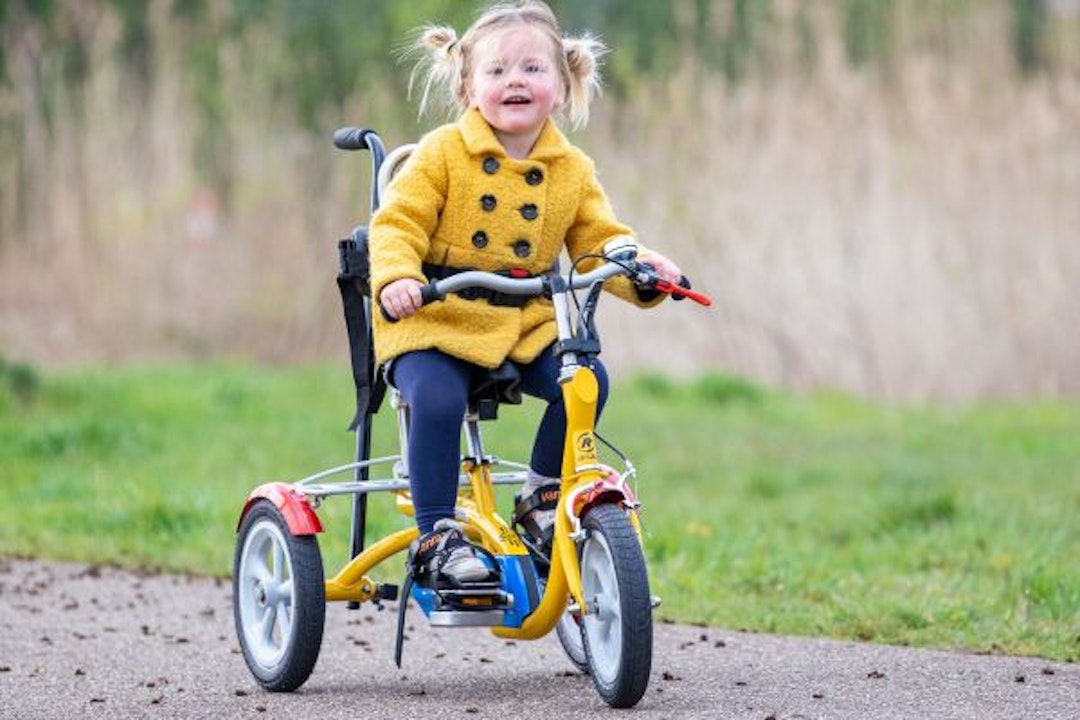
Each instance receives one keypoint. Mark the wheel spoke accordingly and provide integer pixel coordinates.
(257, 569)
(284, 615)
(284, 592)
(268, 621)
(279, 563)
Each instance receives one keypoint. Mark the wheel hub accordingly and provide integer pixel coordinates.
(260, 593)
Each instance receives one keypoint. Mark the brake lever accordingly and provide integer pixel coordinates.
(648, 278)
(678, 292)
(684, 282)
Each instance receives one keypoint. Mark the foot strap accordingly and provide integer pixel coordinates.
(544, 499)
(438, 546)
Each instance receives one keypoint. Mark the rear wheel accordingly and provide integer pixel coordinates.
(279, 599)
(569, 633)
(617, 631)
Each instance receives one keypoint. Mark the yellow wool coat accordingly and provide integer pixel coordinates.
(461, 202)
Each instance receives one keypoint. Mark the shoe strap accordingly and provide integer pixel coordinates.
(450, 540)
(437, 545)
(545, 497)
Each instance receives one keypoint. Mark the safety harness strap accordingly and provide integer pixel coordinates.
(352, 282)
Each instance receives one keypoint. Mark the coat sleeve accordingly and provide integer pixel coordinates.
(594, 226)
(402, 228)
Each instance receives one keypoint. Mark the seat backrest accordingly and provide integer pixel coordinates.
(391, 165)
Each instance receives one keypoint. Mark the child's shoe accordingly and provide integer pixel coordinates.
(444, 559)
(535, 515)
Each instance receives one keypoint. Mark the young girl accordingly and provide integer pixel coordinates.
(500, 189)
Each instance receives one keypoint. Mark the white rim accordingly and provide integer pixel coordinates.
(265, 590)
(571, 638)
(604, 626)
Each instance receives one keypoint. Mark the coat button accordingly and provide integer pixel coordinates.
(534, 176)
(491, 165)
(529, 212)
(480, 239)
(522, 248)
(488, 202)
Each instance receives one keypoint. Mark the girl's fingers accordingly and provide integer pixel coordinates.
(401, 298)
(665, 268)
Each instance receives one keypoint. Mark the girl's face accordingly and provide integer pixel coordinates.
(515, 84)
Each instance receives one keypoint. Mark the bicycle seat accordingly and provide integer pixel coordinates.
(489, 388)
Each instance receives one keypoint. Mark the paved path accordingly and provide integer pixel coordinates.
(89, 642)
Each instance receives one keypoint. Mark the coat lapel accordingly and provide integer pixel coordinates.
(481, 141)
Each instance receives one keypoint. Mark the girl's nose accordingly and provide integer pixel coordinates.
(515, 77)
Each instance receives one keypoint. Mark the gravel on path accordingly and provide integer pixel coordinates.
(89, 641)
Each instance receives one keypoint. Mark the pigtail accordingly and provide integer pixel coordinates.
(438, 67)
(583, 55)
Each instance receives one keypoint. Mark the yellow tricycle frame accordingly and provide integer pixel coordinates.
(476, 510)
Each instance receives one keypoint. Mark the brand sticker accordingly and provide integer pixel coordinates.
(585, 448)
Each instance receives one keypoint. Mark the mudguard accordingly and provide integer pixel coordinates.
(606, 489)
(294, 507)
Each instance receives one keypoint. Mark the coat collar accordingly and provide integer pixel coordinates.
(480, 140)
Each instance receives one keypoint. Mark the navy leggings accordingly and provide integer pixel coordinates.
(436, 386)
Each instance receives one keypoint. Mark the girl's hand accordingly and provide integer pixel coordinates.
(401, 298)
(664, 267)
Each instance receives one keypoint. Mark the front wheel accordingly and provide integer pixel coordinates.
(617, 631)
(279, 599)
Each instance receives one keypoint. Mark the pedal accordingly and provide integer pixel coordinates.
(469, 599)
(467, 618)
(471, 607)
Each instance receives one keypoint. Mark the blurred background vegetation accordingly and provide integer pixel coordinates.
(881, 194)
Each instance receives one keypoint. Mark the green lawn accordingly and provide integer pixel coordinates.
(816, 515)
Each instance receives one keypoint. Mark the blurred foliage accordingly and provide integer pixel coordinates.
(333, 49)
(19, 382)
(1029, 34)
(318, 56)
(868, 30)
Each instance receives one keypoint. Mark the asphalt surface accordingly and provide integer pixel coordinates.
(82, 641)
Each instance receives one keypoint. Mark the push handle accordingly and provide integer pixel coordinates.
(356, 138)
(352, 138)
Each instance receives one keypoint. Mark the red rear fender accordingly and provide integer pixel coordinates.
(294, 507)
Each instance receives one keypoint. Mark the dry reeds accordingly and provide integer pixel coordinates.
(904, 236)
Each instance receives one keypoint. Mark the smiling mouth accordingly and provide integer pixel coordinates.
(516, 101)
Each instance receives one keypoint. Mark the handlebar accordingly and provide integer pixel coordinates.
(641, 274)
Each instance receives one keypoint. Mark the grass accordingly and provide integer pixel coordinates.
(811, 514)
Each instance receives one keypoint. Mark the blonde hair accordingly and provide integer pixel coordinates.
(445, 62)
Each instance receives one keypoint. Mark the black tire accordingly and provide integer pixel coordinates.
(618, 637)
(279, 599)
